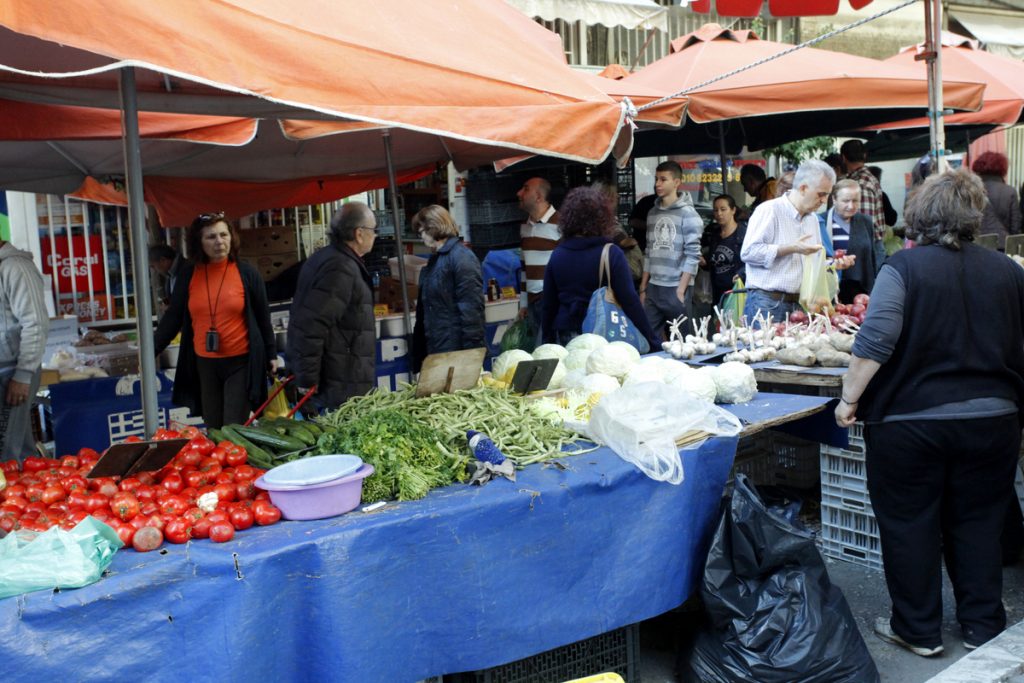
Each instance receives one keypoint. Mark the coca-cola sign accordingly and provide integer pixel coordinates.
(59, 264)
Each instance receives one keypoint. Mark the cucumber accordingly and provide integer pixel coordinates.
(216, 435)
(257, 456)
(271, 439)
(294, 429)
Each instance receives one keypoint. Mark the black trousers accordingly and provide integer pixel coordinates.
(223, 390)
(941, 488)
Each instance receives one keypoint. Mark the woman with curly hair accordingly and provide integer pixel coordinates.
(938, 378)
(572, 275)
(1002, 212)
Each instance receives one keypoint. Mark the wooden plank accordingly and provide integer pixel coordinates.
(761, 425)
(789, 375)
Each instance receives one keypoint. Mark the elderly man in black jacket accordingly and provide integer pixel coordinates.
(331, 333)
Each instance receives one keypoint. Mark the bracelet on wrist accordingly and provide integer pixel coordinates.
(849, 403)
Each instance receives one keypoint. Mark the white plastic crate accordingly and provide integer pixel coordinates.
(843, 470)
(850, 536)
(856, 434)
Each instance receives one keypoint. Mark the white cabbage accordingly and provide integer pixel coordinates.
(700, 383)
(577, 359)
(735, 382)
(558, 376)
(504, 366)
(674, 371)
(586, 341)
(545, 351)
(643, 372)
(574, 378)
(627, 348)
(612, 359)
(598, 383)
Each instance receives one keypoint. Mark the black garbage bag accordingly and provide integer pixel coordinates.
(774, 615)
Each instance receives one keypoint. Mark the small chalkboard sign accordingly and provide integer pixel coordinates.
(533, 375)
(125, 459)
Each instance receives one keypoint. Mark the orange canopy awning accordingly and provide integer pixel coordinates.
(446, 68)
(806, 92)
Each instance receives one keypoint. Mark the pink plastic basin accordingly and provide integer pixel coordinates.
(317, 501)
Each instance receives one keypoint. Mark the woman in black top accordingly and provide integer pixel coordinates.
(723, 240)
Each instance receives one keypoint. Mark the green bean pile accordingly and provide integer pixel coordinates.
(524, 436)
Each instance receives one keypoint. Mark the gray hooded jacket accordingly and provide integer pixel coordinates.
(23, 319)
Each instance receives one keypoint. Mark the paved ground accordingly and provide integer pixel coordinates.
(865, 591)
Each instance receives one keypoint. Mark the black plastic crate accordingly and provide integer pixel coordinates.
(498, 235)
(494, 212)
(617, 651)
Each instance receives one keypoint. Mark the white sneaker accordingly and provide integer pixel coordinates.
(884, 631)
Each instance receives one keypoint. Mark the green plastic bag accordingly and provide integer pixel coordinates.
(520, 335)
(732, 304)
(56, 558)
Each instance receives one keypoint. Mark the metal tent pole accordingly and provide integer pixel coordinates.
(721, 156)
(140, 259)
(933, 57)
(393, 186)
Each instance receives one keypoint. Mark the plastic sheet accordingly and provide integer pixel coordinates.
(775, 616)
(465, 579)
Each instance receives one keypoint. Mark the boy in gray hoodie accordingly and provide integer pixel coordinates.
(23, 328)
(674, 229)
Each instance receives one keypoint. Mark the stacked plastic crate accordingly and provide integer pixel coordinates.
(492, 209)
(848, 527)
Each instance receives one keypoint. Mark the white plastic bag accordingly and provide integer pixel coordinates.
(641, 423)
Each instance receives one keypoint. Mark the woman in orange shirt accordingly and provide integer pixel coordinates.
(219, 305)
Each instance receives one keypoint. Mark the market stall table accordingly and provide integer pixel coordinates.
(462, 580)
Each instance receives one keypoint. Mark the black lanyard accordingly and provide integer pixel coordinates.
(213, 309)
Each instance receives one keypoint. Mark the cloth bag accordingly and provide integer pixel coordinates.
(606, 318)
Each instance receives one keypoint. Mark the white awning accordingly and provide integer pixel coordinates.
(1002, 33)
(628, 13)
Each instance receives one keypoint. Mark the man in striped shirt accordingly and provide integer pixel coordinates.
(539, 235)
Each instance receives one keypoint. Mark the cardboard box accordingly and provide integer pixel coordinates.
(271, 265)
(391, 294)
(268, 241)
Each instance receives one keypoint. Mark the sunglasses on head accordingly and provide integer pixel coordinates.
(211, 217)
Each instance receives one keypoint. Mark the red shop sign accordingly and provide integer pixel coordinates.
(57, 259)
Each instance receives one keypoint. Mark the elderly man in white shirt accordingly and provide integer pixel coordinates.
(779, 234)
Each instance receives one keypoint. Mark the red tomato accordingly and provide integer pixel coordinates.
(147, 538)
(245, 472)
(133, 439)
(146, 492)
(261, 495)
(10, 467)
(189, 456)
(35, 506)
(241, 518)
(173, 482)
(147, 478)
(35, 464)
(225, 477)
(139, 521)
(221, 532)
(220, 454)
(7, 524)
(130, 484)
(125, 532)
(203, 446)
(13, 491)
(195, 479)
(225, 492)
(174, 505)
(52, 494)
(70, 461)
(125, 506)
(201, 528)
(235, 457)
(77, 500)
(17, 501)
(34, 492)
(244, 490)
(77, 515)
(190, 432)
(156, 520)
(177, 530)
(266, 514)
(190, 494)
(218, 516)
(148, 507)
(108, 489)
(101, 515)
(63, 472)
(58, 508)
(88, 453)
(96, 501)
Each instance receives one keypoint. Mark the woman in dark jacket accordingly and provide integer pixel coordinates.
(1002, 212)
(450, 306)
(938, 378)
(842, 227)
(219, 304)
(572, 274)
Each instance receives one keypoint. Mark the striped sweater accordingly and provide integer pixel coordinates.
(539, 239)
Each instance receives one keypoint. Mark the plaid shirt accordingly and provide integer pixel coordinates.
(870, 198)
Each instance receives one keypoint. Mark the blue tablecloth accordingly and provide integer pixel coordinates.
(462, 580)
(465, 579)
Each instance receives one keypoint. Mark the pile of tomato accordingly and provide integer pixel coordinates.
(147, 509)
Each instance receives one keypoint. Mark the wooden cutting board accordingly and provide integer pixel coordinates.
(450, 371)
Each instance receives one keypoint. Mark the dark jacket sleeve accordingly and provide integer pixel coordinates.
(469, 300)
(625, 294)
(549, 297)
(173, 319)
(261, 308)
(320, 303)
